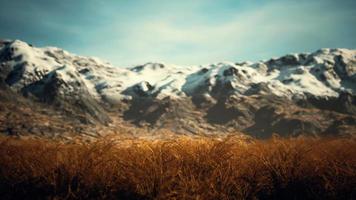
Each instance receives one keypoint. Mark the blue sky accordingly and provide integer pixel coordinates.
(132, 32)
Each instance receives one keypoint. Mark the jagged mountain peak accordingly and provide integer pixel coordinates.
(88, 86)
(322, 73)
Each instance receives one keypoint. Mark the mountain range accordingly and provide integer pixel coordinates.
(49, 91)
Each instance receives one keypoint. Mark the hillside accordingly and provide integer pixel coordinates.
(305, 93)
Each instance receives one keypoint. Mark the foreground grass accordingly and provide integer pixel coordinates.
(182, 168)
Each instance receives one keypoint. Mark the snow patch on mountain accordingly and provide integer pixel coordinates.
(325, 72)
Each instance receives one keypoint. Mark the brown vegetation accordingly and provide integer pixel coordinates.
(181, 168)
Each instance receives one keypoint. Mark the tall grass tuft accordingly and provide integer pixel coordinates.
(180, 168)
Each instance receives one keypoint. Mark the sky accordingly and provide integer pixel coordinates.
(183, 32)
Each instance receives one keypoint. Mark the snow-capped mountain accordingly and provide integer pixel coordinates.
(163, 95)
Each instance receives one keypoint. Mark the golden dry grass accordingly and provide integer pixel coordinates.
(181, 168)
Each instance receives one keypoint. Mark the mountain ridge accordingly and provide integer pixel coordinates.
(221, 97)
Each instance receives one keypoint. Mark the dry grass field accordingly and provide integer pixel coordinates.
(180, 168)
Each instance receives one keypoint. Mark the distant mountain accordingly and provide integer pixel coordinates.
(306, 93)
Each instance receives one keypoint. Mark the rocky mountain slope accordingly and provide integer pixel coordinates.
(309, 93)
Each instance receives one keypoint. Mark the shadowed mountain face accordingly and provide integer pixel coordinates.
(295, 94)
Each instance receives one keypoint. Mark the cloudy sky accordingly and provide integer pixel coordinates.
(130, 32)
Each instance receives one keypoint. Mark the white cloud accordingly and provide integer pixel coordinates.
(255, 33)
